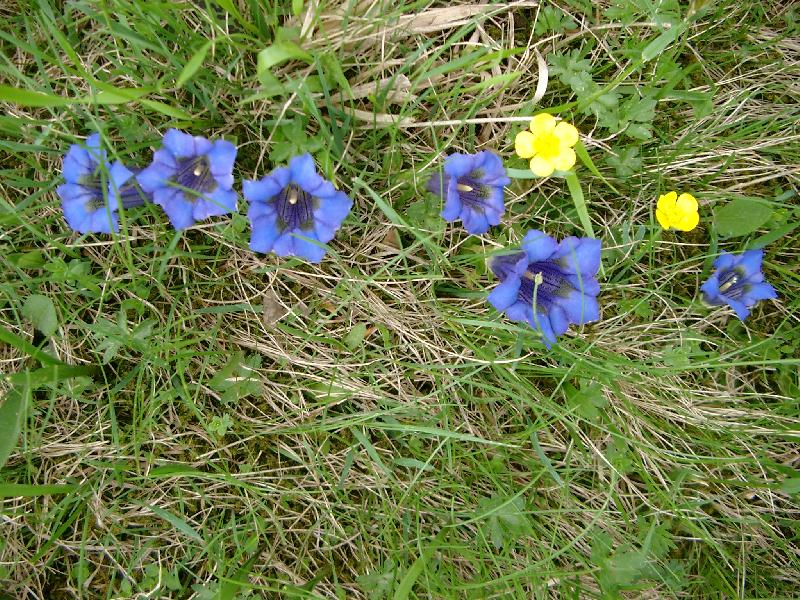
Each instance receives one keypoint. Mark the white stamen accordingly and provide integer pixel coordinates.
(463, 187)
(536, 278)
(197, 170)
(293, 196)
(728, 284)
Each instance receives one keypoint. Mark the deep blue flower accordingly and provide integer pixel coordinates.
(472, 188)
(549, 285)
(738, 282)
(95, 189)
(294, 211)
(191, 178)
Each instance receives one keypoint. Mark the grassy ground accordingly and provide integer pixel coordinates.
(370, 427)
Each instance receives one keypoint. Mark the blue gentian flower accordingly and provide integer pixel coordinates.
(472, 188)
(95, 189)
(738, 282)
(191, 178)
(549, 285)
(293, 210)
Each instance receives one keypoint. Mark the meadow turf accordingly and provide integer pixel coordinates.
(235, 425)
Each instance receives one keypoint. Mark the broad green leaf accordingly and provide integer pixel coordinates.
(40, 311)
(31, 98)
(11, 412)
(791, 485)
(580, 202)
(521, 174)
(176, 521)
(278, 53)
(22, 490)
(741, 216)
(658, 45)
(25, 346)
(193, 65)
(356, 336)
(407, 583)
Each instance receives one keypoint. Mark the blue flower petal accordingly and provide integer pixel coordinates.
(558, 320)
(453, 205)
(542, 323)
(264, 189)
(221, 157)
(263, 236)
(218, 202)
(711, 289)
(118, 175)
(77, 164)
(739, 308)
(578, 255)
(538, 246)
(437, 184)
(505, 294)
(178, 209)
(750, 261)
(181, 145)
(457, 165)
(307, 249)
(761, 291)
(586, 284)
(154, 176)
(258, 210)
(334, 209)
(521, 312)
(579, 308)
(102, 221)
(284, 244)
(474, 222)
(724, 261)
(304, 173)
(507, 266)
(492, 165)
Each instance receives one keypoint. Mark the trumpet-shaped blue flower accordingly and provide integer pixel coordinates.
(294, 211)
(738, 282)
(191, 178)
(549, 284)
(472, 188)
(95, 189)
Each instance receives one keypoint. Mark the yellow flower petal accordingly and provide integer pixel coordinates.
(565, 159)
(663, 218)
(686, 203)
(523, 144)
(543, 123)
(542, 167)
(566, 134)
(688, 222)
(667, 201)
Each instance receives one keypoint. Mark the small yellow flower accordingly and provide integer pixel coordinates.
(548, 144)
(677, 212)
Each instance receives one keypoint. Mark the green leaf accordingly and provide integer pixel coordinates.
(521, 174)
(356, 336)
(658, 45)
(278, 53)
(22, 490)
(25, 346)
(791, 485)
(741, 216)
(580, 202)
(40, 311)
(193, 65)
(581, 153)
(31, 98)
(11, 412)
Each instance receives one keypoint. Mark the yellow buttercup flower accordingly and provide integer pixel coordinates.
(548, 144)
(677, 212)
